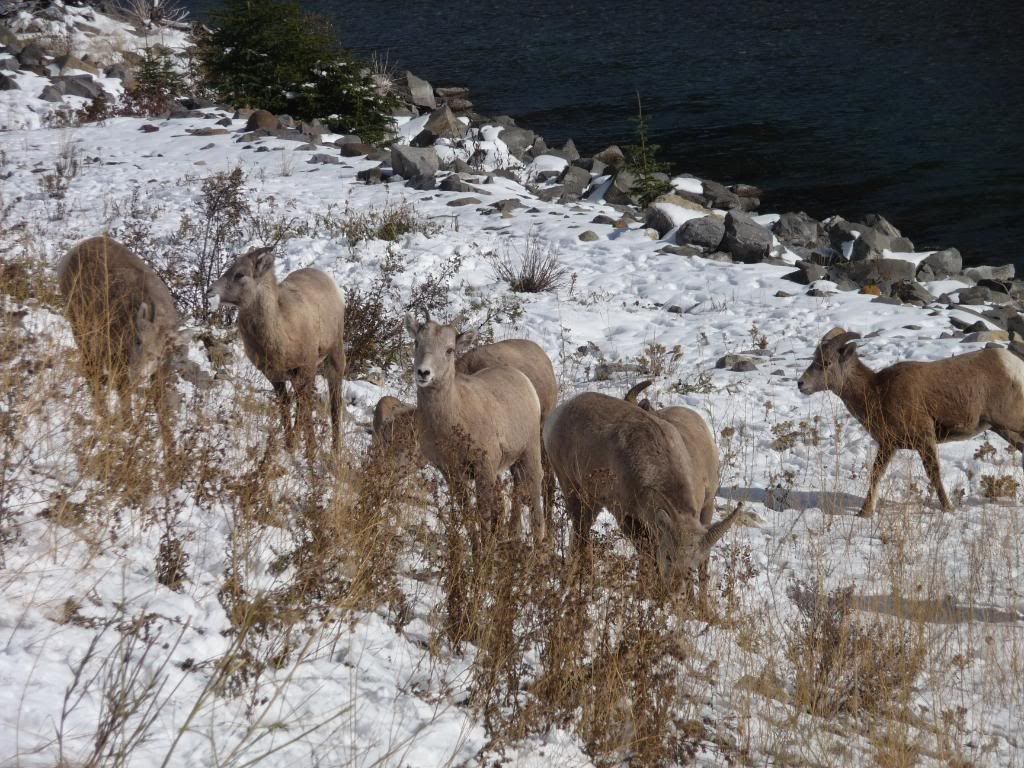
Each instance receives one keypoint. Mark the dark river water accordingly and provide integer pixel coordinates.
(909, 108)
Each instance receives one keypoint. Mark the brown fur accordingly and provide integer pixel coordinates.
(476, 426)
(915, 405)
(609, 453)
(291, 331)
(124, 323)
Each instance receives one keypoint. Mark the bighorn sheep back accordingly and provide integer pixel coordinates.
(915, 405)
(123, 320)
(291, 331)
(477, 425)
(609, 453)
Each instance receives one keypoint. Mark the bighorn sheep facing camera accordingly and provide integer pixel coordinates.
(915, 405)
(475, 426)
(291, 331)
(394, 422)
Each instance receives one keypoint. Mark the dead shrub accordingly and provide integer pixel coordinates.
(534, 269)
(391, 222)
(843, 664)
(998, 486)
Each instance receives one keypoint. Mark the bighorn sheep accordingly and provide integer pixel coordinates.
(477, 425)
(609, 453)
(914, 405)
(291, 331)
(124, 323)
(699, 442)
(394, 422)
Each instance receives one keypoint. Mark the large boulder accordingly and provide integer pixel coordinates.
(261, 119)
(414, 163)
(611, 156)
(722, 197)
(620, 191)
(840, 232)
(32, 55)
(8, 84)
(659, 220)
(66, 61)
(51, 93)
(706, 232)
(745, 239)
(79, 85)
(575, 181)
(940, 264)
(1004, 272)
(443, 124)
(798, 229)
(518, 140)
(420, 91)
(881, 272)
(869, 245)
(9, 62)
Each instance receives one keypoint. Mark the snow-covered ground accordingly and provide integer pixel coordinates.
(369, 690)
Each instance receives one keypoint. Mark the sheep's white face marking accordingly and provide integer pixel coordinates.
(238, 283)
(435, 349)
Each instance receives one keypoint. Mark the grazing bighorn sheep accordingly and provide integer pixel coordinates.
(394, 422)
(477, 425)
(124, 323)
(699, 442)
(291, 331)
(609, 453)
(914, 405)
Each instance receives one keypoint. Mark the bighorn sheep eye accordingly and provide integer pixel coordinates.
(450, 351)
(238, 276)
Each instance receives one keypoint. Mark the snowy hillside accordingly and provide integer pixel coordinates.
(155, 614)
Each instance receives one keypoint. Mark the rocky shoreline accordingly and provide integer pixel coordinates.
(444, 144)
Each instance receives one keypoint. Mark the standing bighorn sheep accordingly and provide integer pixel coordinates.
(915, 405)
(124, 323)
(609, 453)
(291, 331)
(394, 422)
(475, 426)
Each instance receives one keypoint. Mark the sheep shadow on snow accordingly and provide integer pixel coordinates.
(779, 499)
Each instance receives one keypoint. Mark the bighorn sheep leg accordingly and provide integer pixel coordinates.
(930, 459)
(882, 459)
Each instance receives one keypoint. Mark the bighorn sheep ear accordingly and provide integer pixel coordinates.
(144, 314)
(262, 261)
(466, 339)
(411, 326)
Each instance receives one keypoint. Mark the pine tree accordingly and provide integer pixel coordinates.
(642, 162)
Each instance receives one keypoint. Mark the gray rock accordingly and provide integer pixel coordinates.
(589, 236)
(454, 184)
(681, 250)
(881, 225)
(9, 62)
(569, 151)
(807, 272)
(415, 164)
(721, 197)
(51, 93)
(518, 140)
(591, 165)
(611, 156)
(32, 55)
(450, 91)
(901, 245)
(465, 201)
(370, 176)
(444, 125)
(420, 91)
(736, 363)
(355, 149)
(985, 336)
(798, 229)
(350, 138)
(79, 85)
(261, 119)
(575, 180)
(322, 158)
(706, 232)
(1004, 272)
(9, 84)
(840, 231)
(881, 272)
(942, 264)
(539, 146)
(719, 256)
(911, 291)
(746, 240)
(67, 61)
(869, 246)
(507, 206)
(620, 191)
(658, 220)
(886, 300)
(286, 121)
(603, 219)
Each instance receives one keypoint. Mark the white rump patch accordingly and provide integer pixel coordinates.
(1014, 367)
